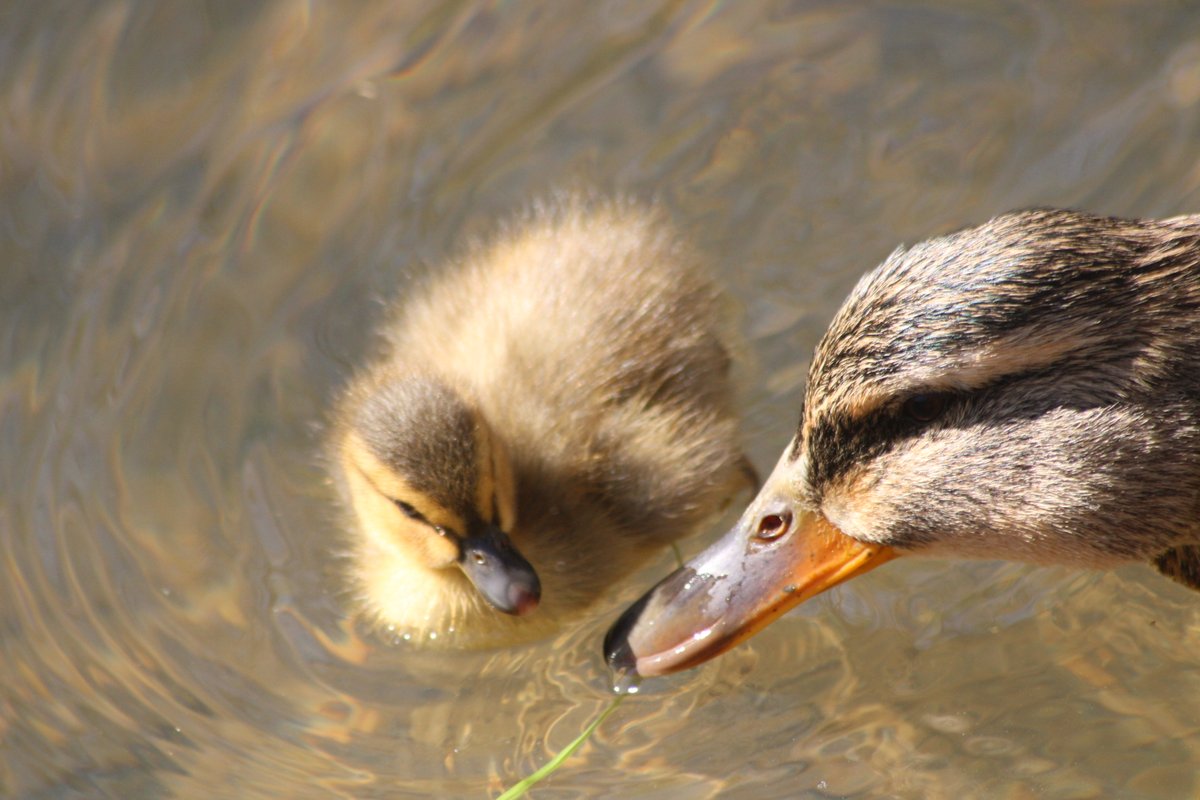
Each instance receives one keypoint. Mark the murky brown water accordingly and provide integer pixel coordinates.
(200, 209)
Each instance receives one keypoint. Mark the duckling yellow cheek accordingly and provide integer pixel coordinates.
(440, 552)
(379, 498)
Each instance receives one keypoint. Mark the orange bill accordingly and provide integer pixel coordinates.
(772, 560)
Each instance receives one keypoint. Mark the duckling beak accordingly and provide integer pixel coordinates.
(776, 557)
(499, 571)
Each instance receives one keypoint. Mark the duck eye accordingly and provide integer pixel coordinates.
(924, 407)
(480, 558)
(408, 510)
(772, 526)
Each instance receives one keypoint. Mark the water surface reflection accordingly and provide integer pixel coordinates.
(201, 209)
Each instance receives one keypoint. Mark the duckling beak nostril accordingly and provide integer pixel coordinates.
(499, 571)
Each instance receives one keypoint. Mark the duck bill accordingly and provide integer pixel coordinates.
(499, 571)
(735, 588)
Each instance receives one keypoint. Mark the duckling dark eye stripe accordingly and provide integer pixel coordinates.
(407, 508)
(409, 511)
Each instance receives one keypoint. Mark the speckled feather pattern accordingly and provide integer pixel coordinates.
(1064, 350)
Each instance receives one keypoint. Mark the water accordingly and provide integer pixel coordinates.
(204, 207)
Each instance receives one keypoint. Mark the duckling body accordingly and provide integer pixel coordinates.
(1028, 389)
(547, 414)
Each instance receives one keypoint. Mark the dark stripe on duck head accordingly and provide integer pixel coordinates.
(426, 433)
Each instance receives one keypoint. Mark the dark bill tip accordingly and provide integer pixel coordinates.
(617, 650)
(648, 640)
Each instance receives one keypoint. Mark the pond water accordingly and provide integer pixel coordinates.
(203, 209)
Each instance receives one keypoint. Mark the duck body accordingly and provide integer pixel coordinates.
(1028, 389)
(552, 410)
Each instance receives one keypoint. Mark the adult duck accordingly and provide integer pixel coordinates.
(1028, 389)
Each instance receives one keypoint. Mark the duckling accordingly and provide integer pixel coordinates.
(1028, 389)
(547, 415)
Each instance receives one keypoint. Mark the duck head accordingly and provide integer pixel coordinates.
(1027, 390)
(429, 480)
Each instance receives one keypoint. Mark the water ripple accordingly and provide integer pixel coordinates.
(203, 211)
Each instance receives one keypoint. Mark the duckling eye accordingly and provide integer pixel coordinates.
(772, 526)
(924, 407)
(409, 511)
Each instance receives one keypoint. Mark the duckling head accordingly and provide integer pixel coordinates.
(432, 488)
(1024, 390)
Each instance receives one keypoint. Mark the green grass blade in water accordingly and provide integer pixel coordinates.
(520, 788)
(678, 555)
